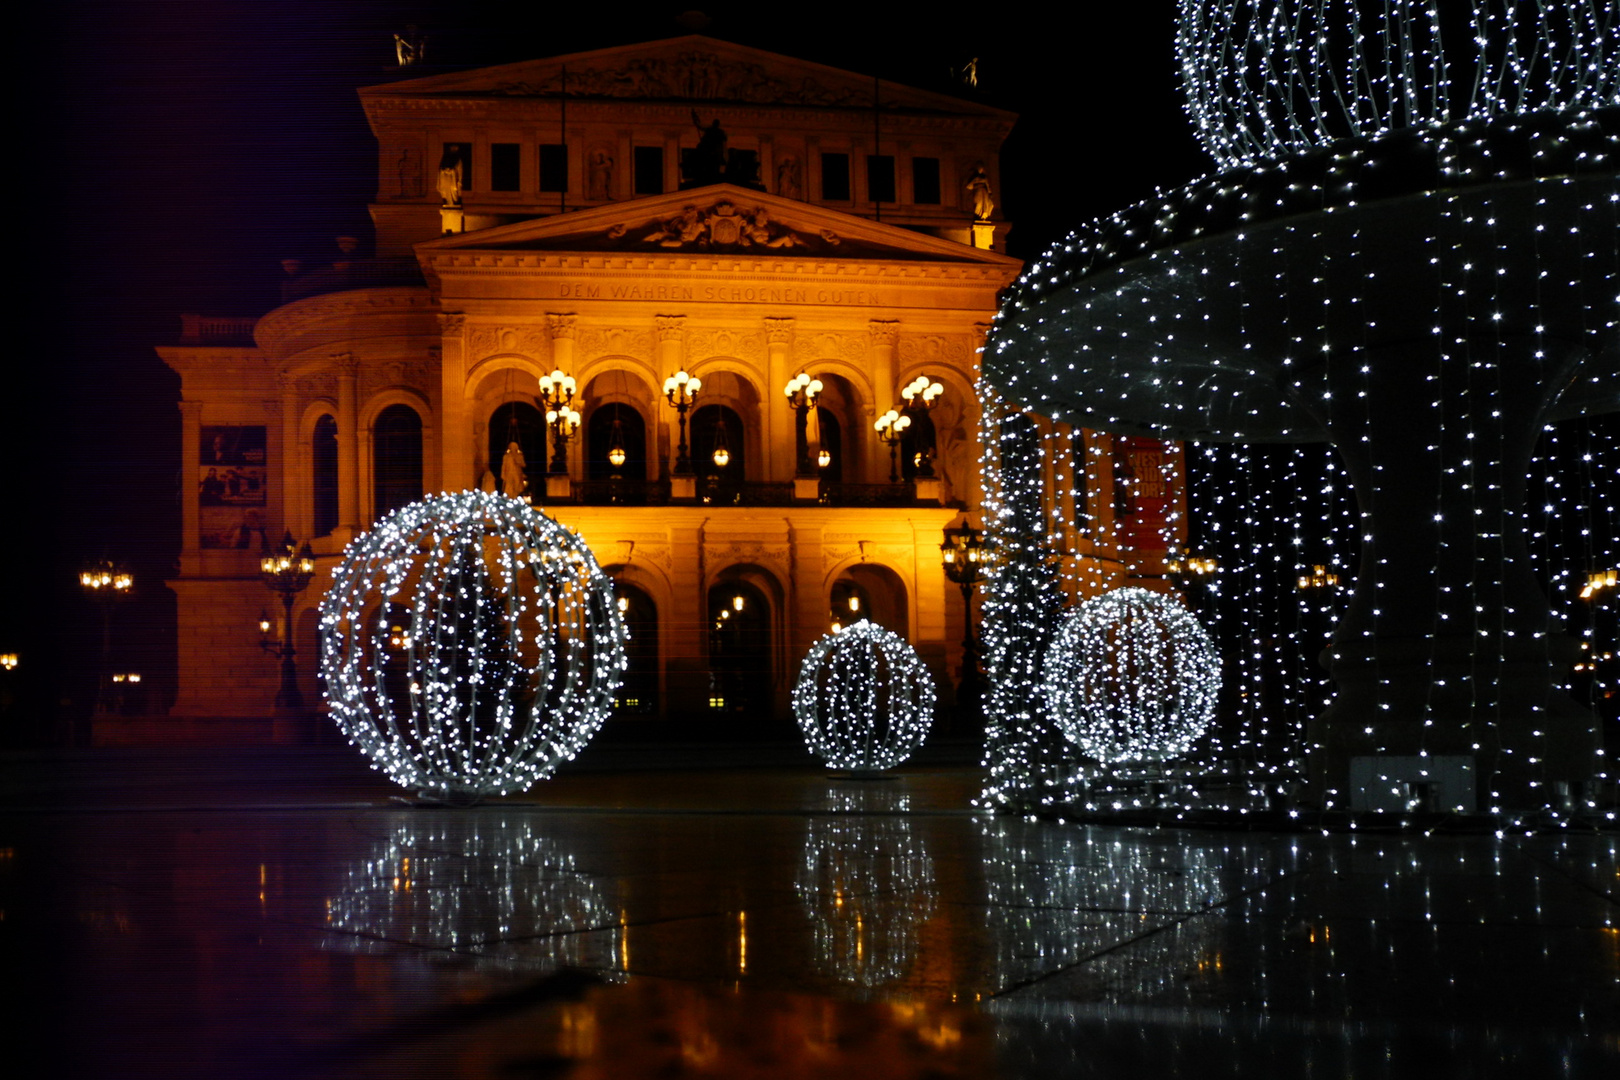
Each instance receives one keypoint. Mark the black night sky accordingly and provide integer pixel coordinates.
(176, 150)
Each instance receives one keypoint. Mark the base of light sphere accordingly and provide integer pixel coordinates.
(470, 645)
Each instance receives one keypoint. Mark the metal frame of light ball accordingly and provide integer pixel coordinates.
(1131, 676)
(836, 699)
(539, 585)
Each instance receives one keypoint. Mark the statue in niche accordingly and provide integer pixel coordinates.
(787, 178)
(979, 187)
(601, 176)
(514, 482)
(409, 168)
(708, 160)
(450, 178)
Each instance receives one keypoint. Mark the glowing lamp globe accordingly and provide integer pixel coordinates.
(864, 700)
(470, 645)
(1131, 676)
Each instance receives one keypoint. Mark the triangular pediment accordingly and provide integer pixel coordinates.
(695, 69)
(718, 220)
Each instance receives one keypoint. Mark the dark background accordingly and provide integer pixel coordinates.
(171, 153)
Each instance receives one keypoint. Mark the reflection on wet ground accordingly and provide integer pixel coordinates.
(780, 923)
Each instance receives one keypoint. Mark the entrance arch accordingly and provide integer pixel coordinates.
(742, 645)
(879, 593)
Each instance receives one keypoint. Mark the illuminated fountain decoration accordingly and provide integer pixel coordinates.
(863, 700)
(1131, 677)
(492, 888)
(868, 886)
(1410, 254)
(470, 645)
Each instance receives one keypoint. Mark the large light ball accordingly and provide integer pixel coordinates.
(470, 644)
(864, 700)
(1131, 676)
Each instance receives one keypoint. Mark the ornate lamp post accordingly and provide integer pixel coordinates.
(891, 427)
(921, 395)
(963, 556)
(557, 395)
(106, 584)
(801, 392)
(286, 571)
(681, 391)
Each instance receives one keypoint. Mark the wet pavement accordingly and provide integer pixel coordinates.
(680, 913)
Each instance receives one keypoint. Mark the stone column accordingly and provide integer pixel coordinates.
(456, 450)
(294, 508)
(671, 347)
(885, 334)
(560, 326)
(191, 455)
(347, 366)
(779, 420)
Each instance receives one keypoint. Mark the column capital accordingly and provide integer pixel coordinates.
(561, 324)
(452, 322)
(287, 382)
(779, 329)
(884, 331)
(670, 327)
(346, 364)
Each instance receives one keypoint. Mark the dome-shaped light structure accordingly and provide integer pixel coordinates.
(864, 700)
(1266, 78)
(1131, 676)
(512, 648)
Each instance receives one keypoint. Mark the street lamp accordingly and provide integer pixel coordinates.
(801, 392)
(681, 390)
(106, 584)
(962, 553)
(557, 395)
(286, 571)
(921, 395)
(891, 427)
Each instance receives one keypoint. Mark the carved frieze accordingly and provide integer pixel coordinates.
(953, 349)
(489, 340)
(725, 224)
(591, 343)
(745, 345)
(830, 345)
(699, 76)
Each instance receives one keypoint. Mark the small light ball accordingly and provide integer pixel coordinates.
(864, 700)
(1131, 676)
(470, 645)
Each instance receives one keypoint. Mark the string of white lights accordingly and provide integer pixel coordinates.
(864, 699)
(470, 645)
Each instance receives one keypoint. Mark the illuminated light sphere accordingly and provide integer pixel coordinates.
(470, 645)
(864, 700)
(1266, 78)
(1131, 676)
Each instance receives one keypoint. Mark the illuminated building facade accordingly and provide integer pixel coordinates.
(620, 217)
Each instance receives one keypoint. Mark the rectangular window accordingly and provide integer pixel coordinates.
(649, 170)
(458, 156)
(835, 177)
(553, 167)
(505, 168)
(880, 177)
(925, 181)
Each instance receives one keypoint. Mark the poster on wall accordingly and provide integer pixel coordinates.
(231, 487)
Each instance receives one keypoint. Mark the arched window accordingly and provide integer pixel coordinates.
(639, 692)
(717, 453)
(520, 422)
(324, 476)
(917, 440)
(739, 649)
(396, 444)
(832, 441)
(622, 426)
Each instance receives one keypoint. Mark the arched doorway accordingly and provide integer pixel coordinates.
(618, 426)
(520, 422)
(638, 695)
(396, 443)
(740, 642)
(832, 442)
(918, 447)
(871, 592)
(718, 454)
